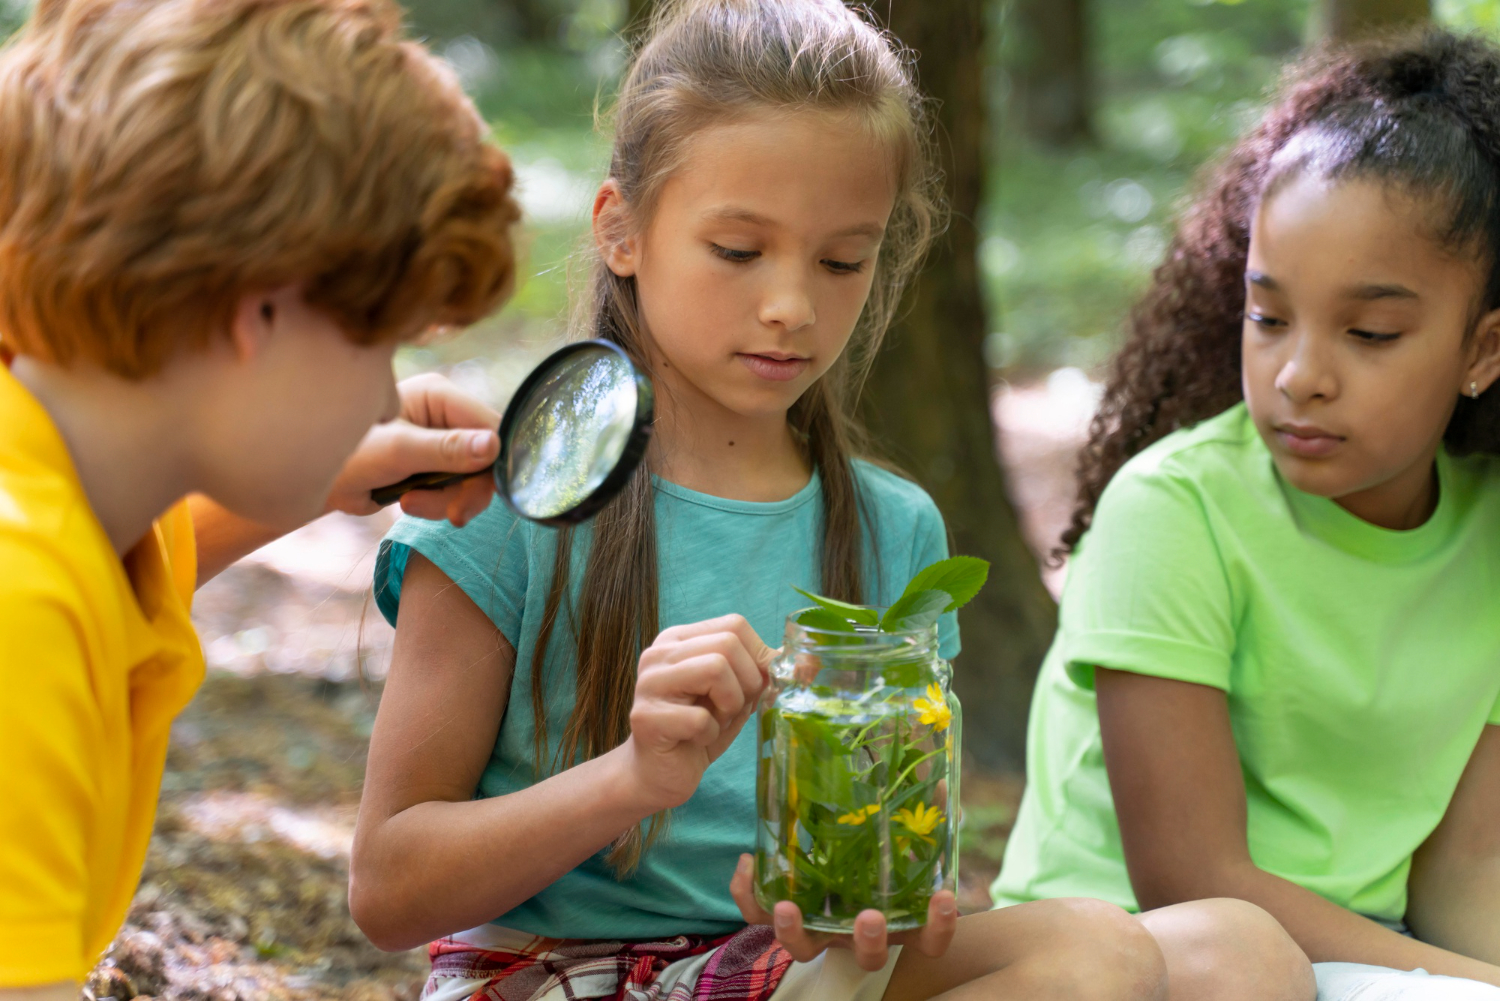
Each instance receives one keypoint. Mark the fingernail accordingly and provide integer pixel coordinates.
(947, 910)
(868, 932)
(479, 442)
(783, 920)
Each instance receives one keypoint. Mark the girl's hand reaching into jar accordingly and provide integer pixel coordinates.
(698, 684)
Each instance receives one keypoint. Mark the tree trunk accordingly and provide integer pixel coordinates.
(1051, 73)
(928, 400)
(1347, 20)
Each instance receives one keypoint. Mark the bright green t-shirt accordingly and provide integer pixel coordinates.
(1361, 664)
(714, 557)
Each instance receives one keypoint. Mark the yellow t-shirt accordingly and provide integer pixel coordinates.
(97, 655)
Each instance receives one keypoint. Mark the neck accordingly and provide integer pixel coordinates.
(125, 438)
(1401, 503)
(701, 445)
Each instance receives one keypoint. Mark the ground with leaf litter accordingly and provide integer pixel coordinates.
(243, 894)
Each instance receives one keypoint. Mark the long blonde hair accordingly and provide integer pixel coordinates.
(700, 63)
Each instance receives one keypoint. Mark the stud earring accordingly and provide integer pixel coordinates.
(1473, 390)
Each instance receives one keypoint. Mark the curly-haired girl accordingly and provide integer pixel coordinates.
(1277, 675)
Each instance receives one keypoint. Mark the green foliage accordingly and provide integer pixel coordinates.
(1071, 235)
(945, 586)
(849, 616)
(855, 812)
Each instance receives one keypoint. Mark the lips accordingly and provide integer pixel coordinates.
(1308, 441)
(774, 367)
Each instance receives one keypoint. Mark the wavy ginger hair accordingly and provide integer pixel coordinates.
(1421, 113)
(164, 158)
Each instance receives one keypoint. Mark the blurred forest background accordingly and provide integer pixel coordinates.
(1072, 130)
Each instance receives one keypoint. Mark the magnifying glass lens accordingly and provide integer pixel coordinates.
(570, 432)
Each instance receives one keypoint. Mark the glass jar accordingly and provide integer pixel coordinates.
(857, 776)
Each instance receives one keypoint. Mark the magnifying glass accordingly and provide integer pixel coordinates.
(574, 432)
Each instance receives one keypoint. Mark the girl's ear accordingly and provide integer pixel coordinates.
(1484, 355)
(614, 234)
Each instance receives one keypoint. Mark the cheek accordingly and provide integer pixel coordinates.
(682, 301)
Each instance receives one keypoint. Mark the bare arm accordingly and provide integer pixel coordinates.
(1455, 878)
(439, 716)
(1180, 798)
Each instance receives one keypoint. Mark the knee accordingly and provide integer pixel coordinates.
(1104, 952)
(1229, 949)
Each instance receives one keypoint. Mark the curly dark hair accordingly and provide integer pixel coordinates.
(1421, 112)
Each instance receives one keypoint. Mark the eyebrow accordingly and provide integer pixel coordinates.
(1362, 293)
(1370, 293)
(732, 214)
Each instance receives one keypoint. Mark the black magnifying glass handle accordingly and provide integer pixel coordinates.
(422, 481)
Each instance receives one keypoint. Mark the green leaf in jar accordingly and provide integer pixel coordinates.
(857, 614)
(819, 617)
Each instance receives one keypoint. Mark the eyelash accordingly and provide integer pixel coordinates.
(746, 256)
(1368, 336)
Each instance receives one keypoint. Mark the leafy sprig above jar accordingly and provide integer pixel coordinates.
(943, 587)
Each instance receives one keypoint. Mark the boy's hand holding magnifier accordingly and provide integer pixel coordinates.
(440, 428)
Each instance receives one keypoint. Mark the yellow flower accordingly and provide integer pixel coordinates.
(861, 815)
(934, 708)
(921, 821)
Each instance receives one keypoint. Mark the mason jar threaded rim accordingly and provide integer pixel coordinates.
(868, 644)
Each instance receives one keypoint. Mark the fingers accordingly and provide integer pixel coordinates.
(731, 649)
(708, 677)
(408, 449)
(761, 654)
(933, 938)
(804, 947)
(432, 401)
(459, 503)
(660, 726)
(742, 889)
(869, 940)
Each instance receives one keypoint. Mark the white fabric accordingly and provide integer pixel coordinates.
(1357, 982)
(835, 976)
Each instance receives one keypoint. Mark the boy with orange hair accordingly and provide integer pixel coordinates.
(218, 218)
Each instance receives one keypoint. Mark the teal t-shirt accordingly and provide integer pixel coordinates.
(1361, 664)
(715, 557)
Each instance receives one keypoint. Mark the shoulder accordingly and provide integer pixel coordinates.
(892, 495)
(50, 543)
(1221, 456)
(497, 527)
(51, 591)
(34, 499)
(490, 558)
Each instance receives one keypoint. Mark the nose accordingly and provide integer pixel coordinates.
(1307, 373)
(789, 303)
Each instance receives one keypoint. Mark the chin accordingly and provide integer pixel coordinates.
(1310, 477)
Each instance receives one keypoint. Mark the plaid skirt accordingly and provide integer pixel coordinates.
(515, 966)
